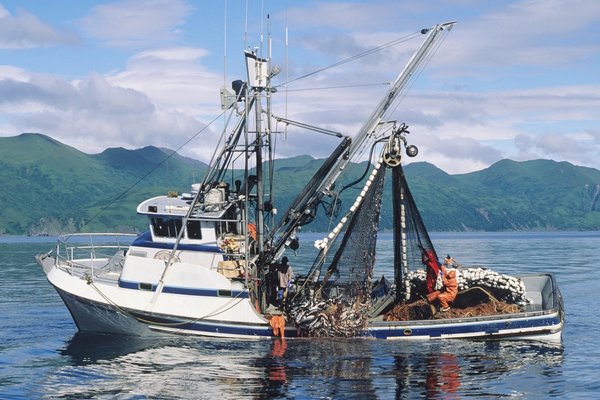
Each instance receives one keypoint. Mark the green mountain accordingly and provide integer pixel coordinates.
(509, 195)
(49, 188)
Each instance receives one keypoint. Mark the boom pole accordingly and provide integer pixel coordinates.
(305, 206)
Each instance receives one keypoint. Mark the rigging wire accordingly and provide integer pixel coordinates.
(341, 86)
(356, 57)
(271, 150)
(285, 84)
(164, 160)
(360, 154)
(418, 73)
(246, 27)
(219, 310)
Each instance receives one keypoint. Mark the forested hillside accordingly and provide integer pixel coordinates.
(50, 188)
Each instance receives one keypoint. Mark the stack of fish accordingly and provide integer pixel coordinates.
(504, 287)
(334, 317)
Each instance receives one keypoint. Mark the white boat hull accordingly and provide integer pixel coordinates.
(107, 308)
(92, 311)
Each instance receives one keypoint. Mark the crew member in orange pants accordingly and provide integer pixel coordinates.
(448, 292)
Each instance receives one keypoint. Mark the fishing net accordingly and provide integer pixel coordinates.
(352, 264)
(344, 297)
(335, 317)
(339, 305)
(412, 245)
(473, 302)
(507, 288)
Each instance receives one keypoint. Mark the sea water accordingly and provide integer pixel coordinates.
(43, 356)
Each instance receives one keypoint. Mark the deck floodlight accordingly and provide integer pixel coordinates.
(275, 71)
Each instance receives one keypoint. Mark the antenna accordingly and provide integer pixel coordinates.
(287, 70)
(246, 27)
(225, 46)
(262, 29)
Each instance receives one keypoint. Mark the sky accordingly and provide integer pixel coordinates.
(513, 79)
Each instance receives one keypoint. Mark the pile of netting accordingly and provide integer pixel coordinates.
(502, 287)
(335, 317)
(340, 304)
(473, 302)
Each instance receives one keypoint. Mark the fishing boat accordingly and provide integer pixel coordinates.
(210, 262)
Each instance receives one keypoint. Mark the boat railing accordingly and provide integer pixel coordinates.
(89, 252)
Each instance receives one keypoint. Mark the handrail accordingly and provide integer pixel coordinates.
(67, 236)
(96, 249)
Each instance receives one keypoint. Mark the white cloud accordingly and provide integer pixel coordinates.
(509, 81)
(530, 32)
(136, 22)
(25, 30)
(92, 114)
(580, 148)
(13, 73)
(174, 79)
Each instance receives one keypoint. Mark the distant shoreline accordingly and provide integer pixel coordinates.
(317, 235)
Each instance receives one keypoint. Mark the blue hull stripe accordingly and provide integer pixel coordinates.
(225, 328)
(545, 324)
(240, 294)
(170, 322)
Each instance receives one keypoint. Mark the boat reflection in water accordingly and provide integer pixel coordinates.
(90, 348)
(277, 370)
(443, 374)
(454, 373)
(100, 365)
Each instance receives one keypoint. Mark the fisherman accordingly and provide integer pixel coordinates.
(284, 274)
(450, 262)
(449, 289)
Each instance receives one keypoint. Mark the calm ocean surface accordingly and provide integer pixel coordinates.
(43, 356)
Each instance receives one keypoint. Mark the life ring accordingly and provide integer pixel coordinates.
(165, 255)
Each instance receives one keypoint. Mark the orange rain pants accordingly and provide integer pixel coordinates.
(278, 324)
(448, 292)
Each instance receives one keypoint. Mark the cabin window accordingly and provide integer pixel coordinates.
(166, 227)
(169, 228)
(193, 230)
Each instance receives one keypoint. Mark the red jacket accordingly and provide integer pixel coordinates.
(432, 267)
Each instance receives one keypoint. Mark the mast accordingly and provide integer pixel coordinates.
(259, 177)
(258, 78)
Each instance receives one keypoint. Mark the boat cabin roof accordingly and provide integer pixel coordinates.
(176, 207)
